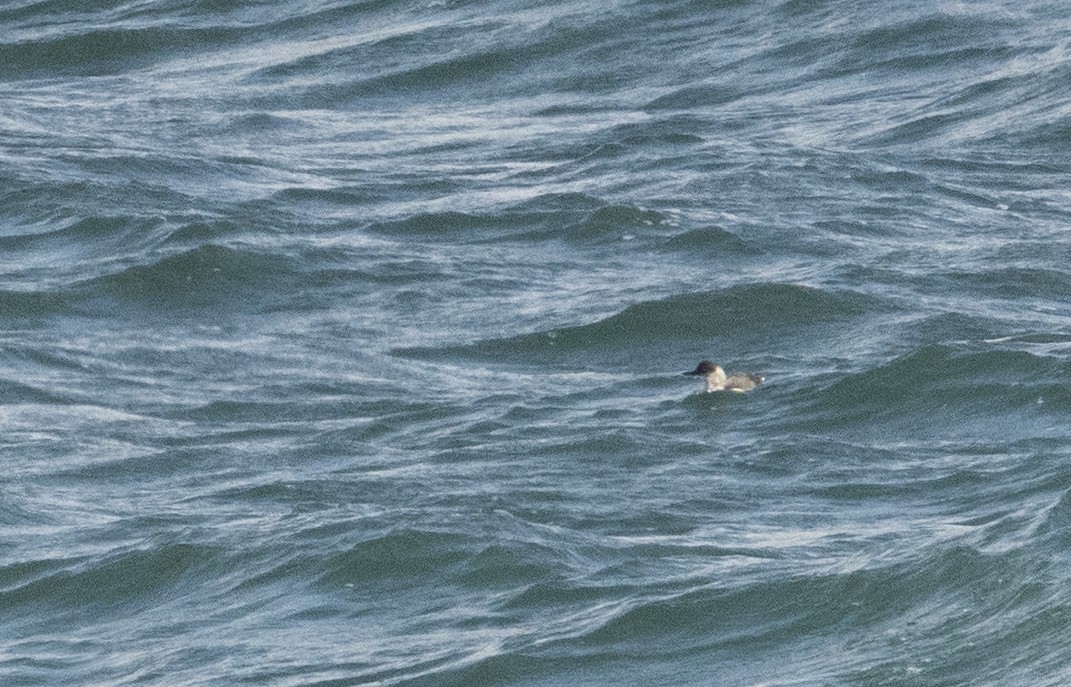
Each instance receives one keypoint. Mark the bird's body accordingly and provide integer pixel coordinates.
(717, 380)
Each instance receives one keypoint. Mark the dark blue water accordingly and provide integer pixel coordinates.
(341, 341)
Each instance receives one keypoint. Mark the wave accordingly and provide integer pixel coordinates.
(919, 43)
(1014, 283)
(691, 97)
(937, 367)
(417, 60)
(12, 392)
(99, 52)
(130, 38)
(713, 241)
(22, 307)
(86, 237)
(193, 283)
(764, 309)
(421, 554)
(124, 580)
(724, 623)
(573, 217)
(1054, 528)
(467, 56)
(953, 327)
(204, 231)
(938, 389)
(439, 225)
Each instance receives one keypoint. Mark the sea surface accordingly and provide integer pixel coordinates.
(341, 343)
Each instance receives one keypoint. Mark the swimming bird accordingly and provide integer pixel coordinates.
(717, 380)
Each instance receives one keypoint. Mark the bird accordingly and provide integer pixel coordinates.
(717, 380)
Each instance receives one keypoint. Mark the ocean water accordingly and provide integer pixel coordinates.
(341, 341)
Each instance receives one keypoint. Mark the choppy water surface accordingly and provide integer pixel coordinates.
(340, 343)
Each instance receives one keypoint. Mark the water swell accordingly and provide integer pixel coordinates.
(939, 389)
(123, 583)
(403, 557)
(1019, 284)
(767, 309)
(28, 307)
(99, 52)
(895, 603)
(193, 283)
(574, 218)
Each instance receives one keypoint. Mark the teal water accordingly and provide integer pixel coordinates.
(341, 341)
